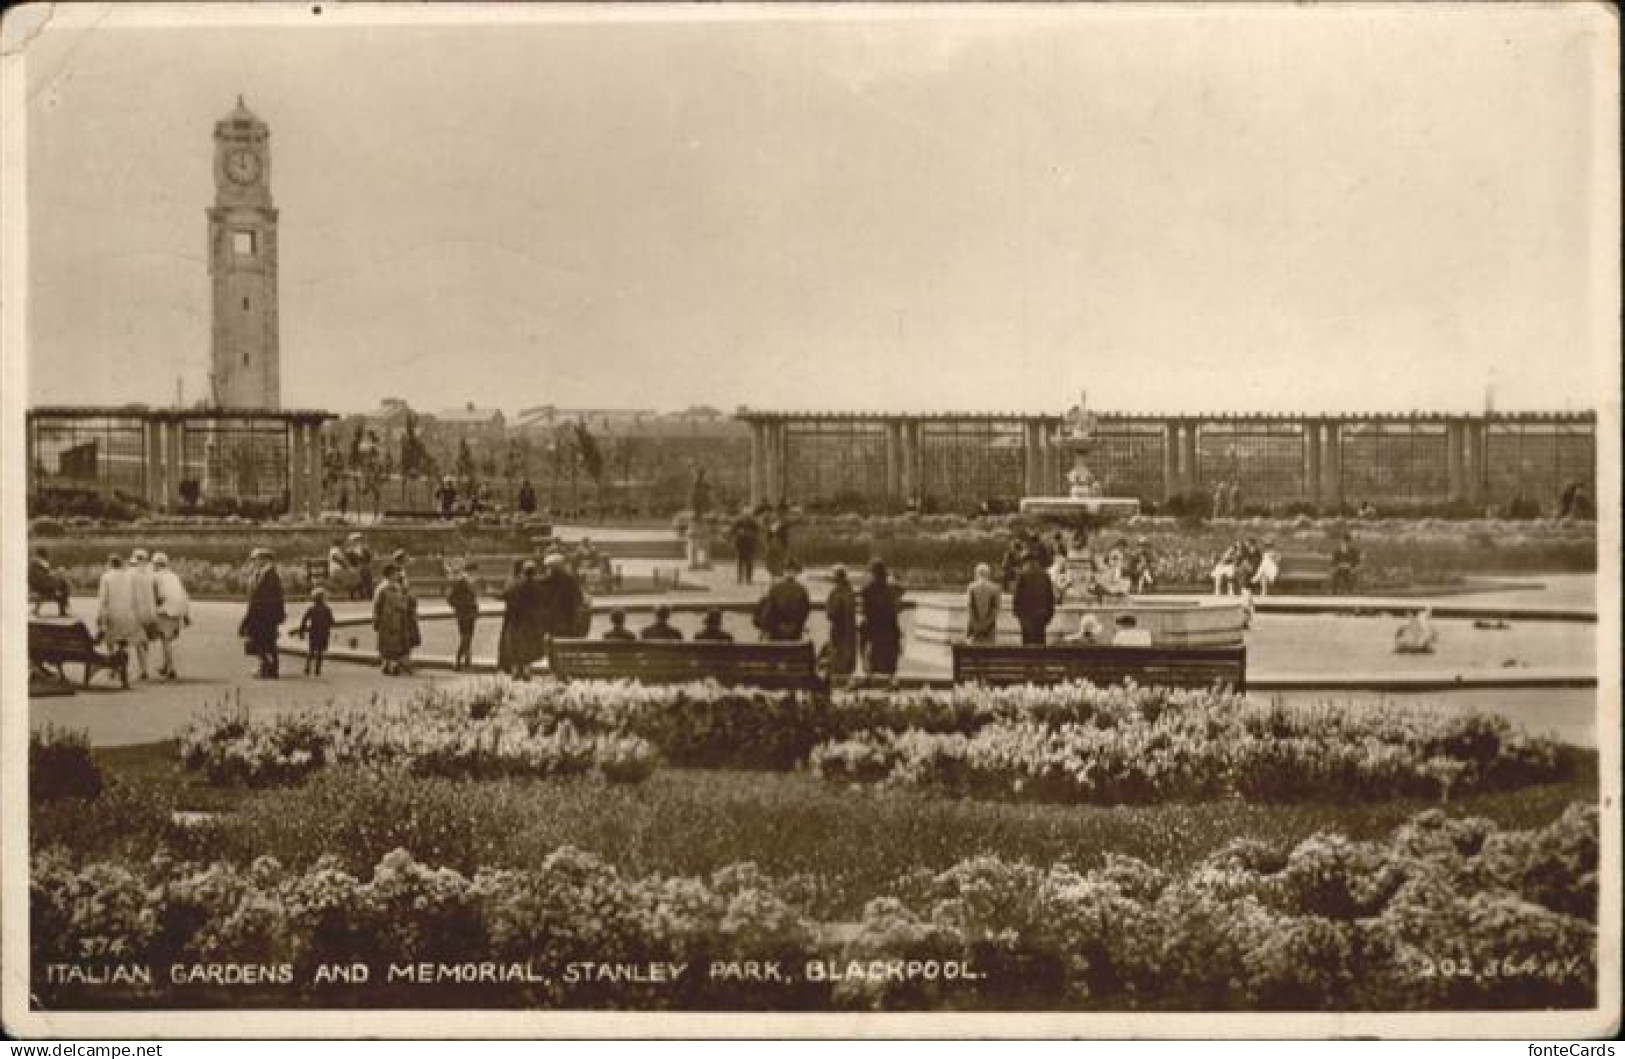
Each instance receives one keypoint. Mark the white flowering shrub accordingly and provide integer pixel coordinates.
(1443, 914)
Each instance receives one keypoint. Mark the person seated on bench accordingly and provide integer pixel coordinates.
(1269, 568)
(46, 585)
(1140, 561)
(617, 628)
(1129, 633)
(712, 630)
(1345, 564)
(1224, 572)
(340, 575)
(1416, 636)
(1112, 582)
(661, 629)
(1090, 631)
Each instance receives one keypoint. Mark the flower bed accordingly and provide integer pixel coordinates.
(1072, 743)
(1443, 914)
(429, 735)
(1119, 746)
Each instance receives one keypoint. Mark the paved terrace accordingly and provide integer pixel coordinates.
(1296, 641)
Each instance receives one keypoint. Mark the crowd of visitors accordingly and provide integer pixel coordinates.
(138, 603)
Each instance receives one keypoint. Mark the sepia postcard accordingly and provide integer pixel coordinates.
(723, 520)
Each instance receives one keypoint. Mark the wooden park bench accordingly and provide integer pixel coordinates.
(1304, 571)
(56, 642)
(1167, 667)
(780, 666)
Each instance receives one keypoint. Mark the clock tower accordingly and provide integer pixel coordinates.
(245, 372)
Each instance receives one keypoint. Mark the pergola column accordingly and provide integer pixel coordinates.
(296, 468)
(1032, 469)
(1454, 464)
(1193, 478)
(173, 471)
(152, 486)
(894, 460)
(911, 461)
(29, 426)
(1170, 459)
(758, 463)
(1331, 465)
(1311, 463)
(1477, 434)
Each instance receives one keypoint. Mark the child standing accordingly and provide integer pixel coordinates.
(316, 626)
(464, 599)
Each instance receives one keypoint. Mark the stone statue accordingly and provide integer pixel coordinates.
(1083, 420)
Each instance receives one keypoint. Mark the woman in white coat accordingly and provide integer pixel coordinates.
(116, 618)
(174, 610)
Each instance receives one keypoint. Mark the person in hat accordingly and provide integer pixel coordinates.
(565, 610)
(316, 628)
(116, 621)
(391, 619)
(1269, 567)
(464, 598)
(841, 611)
(881, 633)
(782, 613)
(262, 623)
(617, 627)
(982, 600)
(340, 575)
(1033, 602)
(360, 557)
(145, 597)
(46, 584)
(711, 630)
(174, 610)
(527, 602)
(661, 628)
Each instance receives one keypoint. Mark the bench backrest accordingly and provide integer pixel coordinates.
(59, 639)
(1171, 667)
(761, 665)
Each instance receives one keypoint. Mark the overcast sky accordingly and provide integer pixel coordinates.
(1289, 209)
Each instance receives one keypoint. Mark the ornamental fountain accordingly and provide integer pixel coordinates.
(1088, 612)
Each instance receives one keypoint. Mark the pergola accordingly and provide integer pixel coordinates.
(1319, 460)
(146, 454)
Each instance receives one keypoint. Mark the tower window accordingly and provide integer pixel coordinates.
(244, 243)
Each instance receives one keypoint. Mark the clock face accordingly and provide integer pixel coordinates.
(243, 167)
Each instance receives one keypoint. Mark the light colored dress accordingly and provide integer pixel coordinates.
(116, 614)
(173, 603)
(144, 594)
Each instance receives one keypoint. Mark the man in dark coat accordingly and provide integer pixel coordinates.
(782, 613)
(266, 612)
(525, 622)
(527, 498)
(562, 598)
(881, 631)
(1034, 601)
(661, 629)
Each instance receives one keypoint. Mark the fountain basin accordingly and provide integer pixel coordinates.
(1068, 508)
(1219, 621)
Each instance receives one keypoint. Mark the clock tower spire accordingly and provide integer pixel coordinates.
(245, 370)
